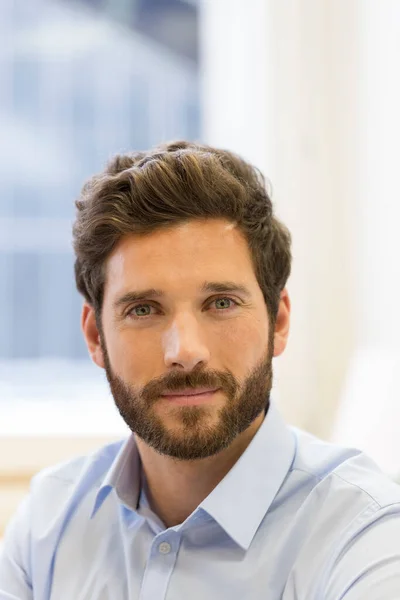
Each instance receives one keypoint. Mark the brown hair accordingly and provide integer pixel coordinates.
(141, 192)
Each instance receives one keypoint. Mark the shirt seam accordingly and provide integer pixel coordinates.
(346, 536)
(363, 490)
(319, 478)
(307, 472)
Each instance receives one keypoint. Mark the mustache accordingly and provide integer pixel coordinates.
(176, 381)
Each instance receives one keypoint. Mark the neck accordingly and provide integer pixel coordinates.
(176, 488)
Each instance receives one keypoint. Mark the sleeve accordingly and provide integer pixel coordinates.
(369, 567)
(15, 580)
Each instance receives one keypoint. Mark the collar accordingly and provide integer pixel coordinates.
(259, 473)
(123, 476)
(243, 497)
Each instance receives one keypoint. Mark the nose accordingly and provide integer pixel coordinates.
(183, 345)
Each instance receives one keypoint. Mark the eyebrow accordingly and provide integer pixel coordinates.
(208, 286)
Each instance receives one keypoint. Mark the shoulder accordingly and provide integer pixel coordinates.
(33, 531)
(54, 489)
(346, 517)
(343, 470)
(70, 471)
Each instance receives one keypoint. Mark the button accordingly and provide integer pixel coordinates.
(164, 548)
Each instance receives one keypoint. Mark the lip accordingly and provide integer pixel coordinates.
(191, 392)
(192, 396)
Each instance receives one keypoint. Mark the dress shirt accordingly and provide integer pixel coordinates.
(296, 518)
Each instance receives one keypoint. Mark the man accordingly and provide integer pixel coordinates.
(183, 267)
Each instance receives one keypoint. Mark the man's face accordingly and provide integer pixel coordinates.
(183, 309)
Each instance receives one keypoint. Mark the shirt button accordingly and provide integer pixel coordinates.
(164, 548)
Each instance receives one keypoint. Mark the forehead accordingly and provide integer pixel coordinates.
(185, 253)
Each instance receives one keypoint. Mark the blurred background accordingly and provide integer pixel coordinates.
(308, 90)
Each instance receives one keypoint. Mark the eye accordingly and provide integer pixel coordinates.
(139, 311)
(224, 304)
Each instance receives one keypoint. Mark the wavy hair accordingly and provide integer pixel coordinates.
(173, 183)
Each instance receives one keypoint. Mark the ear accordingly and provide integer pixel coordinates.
(91, 334)
(282, 324)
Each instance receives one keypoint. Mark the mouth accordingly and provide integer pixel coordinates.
(190, 396)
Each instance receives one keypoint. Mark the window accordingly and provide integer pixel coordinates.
(82, 80)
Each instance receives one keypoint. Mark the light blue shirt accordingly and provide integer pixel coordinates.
(295, 519)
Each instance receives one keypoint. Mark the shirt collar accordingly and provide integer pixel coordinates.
(123, 475)
(243, 497)
(240, 501)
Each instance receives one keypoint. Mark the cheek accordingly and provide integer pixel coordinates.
(132, 358)
(244, 343)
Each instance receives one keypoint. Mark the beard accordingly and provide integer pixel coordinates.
(195, 438)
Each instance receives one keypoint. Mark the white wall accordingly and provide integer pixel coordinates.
(369, 414)
(309, 90)
(280, 88)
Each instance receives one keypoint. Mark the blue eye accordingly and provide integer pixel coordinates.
(226, 299)
(223, 300)
(140, 307)
(143, 311)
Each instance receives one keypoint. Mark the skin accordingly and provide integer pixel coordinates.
(187, 336)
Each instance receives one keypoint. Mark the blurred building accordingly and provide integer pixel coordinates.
(79, 81)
